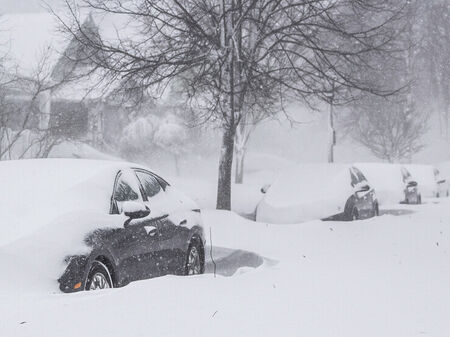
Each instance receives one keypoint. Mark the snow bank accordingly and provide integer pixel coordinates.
(387, 276)
(79, 150)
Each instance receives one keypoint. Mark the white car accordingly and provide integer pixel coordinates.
(431, 184)
(318, 191)
(393, 183)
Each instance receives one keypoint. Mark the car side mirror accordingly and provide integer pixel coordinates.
(412, 184)
(265, 188)
(363, 188)
(134, 210)
(441, 181)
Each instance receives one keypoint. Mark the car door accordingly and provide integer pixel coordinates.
(133, 244)
(171, 235)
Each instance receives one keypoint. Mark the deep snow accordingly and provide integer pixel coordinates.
(385, 277)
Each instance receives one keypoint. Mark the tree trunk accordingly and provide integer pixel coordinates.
(332, 140)
(243, 132)
(239, 168)
(225, 168)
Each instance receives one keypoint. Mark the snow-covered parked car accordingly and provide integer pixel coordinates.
(431, 183)
(94, 224)
(392, 182)
(318, 191)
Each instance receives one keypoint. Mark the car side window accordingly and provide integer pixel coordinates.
(149, 183)
(122, 192)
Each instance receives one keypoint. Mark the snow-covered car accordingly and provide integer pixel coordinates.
(392, 182)
(95, 224)
(431, 184)
(318, 191)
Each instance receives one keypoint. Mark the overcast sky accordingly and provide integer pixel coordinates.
(18, 6)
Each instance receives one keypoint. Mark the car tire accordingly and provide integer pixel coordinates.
(419, 200)
(376, 210)
(355, 214)
(99, 277)
(194, 259)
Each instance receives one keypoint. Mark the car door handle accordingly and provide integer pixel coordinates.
(151, 230)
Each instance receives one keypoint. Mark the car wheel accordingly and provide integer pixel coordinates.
(355, 214)
(98, 277)
(194, 265)
(407, 201)
(376, 210)
(438, 195)
(419, 199)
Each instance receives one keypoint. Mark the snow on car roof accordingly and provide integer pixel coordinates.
(36, 191)
(307, 182)
(387, 179)
(424, 174)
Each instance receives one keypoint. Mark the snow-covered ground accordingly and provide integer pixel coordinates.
(387, 276)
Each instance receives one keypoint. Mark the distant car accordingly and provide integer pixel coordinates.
(431, 184)
(110, 222)
(392, 182)
(411, 188)
(321, 191)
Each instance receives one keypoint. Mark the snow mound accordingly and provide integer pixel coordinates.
(79, 150)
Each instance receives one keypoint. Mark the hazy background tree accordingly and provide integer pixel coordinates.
(235, 51)
(392, 128)
(26, 130)
(433, 22)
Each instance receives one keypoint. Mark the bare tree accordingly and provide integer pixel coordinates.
(26, 130)
(392, 128)
(434, 23)
(387, 128)
(230, 53)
